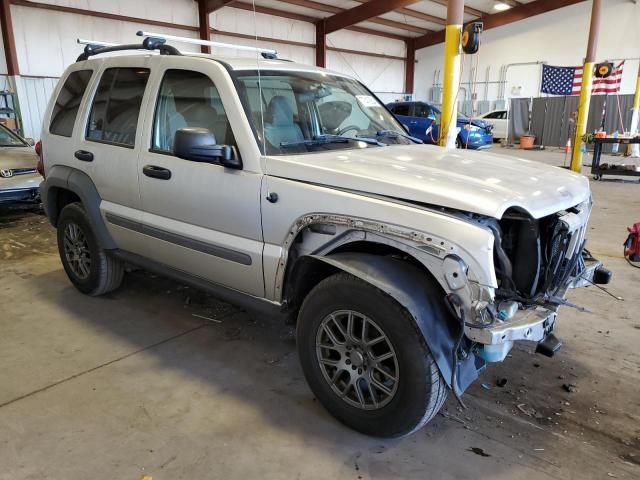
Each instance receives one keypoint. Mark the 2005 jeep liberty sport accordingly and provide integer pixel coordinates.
(292, 190)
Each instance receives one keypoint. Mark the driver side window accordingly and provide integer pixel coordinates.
(188, 99)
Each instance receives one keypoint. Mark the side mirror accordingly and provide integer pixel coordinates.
(30, 141)
(199, 145)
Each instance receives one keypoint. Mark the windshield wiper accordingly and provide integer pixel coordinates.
(325, 139)
(396, 134)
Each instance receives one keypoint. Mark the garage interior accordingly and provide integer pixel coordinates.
(158, 380)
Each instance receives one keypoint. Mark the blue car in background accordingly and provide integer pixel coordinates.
(420, 120)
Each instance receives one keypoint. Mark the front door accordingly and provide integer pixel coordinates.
(423, 124)
(200, 218)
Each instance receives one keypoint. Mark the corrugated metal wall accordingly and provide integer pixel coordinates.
(550, 116)
(33, 95)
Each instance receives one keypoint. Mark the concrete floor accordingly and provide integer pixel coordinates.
(136, 383)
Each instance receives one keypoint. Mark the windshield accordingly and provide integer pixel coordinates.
(307, 112)
(10, 139)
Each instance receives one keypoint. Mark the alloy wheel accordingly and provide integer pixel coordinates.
(76, 250)
(357, 359)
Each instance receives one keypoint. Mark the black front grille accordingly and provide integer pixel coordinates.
(537, 258)
(23, 171)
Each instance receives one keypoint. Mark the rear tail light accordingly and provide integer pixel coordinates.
(40, 166)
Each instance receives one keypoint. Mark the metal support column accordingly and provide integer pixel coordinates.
(8, 38)
(321, 45)
(203, 24)
(409, 67)
(587, 83)
(451, 84)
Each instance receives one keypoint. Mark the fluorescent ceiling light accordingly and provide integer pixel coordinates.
(501, 6)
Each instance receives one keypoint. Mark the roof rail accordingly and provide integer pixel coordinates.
(95, 48)
(265, 52)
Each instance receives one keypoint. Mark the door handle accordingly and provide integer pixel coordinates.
(156, 172)
(84, 156)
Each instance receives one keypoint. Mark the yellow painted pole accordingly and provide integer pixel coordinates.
(587, 83)
(451, 85)
(635, 117)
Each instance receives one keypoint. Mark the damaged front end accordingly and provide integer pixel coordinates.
(536, 262)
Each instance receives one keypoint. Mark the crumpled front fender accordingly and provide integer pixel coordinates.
(421, 295)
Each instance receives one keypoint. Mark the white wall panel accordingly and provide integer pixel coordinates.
(3, 60)
(184, 12)
(46, 40)
(33, 96)
(558, 37)
(242, 21)
(366, 43)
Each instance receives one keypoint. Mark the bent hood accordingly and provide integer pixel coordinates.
(18, 157)
(478, 182)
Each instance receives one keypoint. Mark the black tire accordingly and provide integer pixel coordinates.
(420, 390)
(104, 272)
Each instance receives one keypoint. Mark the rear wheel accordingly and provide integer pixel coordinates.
(88, 266)
(365, 360)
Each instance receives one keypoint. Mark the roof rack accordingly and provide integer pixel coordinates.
(94, 48)
(265, 52)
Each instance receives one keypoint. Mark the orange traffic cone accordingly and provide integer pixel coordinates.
(567, 148)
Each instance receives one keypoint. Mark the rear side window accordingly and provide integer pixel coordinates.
(68, 102)
(116, 106)
(401, 109)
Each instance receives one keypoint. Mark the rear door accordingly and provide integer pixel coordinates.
(200, 218)
(108, 146)
(424, 123)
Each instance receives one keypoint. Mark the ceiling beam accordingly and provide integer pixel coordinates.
(324, 7)
(306, 18)
(213, 5)
(362, 13)
(471, 11)
(416, 14)
(499, 19)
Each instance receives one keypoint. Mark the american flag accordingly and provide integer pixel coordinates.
(568, 80)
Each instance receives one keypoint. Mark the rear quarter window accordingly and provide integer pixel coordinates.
(116, 106)
(65, 110)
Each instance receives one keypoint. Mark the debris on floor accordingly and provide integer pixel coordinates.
(478, 451)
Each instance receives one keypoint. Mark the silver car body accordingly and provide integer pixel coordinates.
(223, 227)
(19, 179)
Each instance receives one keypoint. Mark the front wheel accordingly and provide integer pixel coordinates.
(365, 359)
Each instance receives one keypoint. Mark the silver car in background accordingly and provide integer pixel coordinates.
(19, 178)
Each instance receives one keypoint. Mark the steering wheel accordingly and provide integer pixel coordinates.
(348, 128)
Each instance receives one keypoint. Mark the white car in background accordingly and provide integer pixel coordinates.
(497, 118)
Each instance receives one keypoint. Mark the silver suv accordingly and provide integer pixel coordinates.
(291, 190)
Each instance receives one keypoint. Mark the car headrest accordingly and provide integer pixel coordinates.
(279, 111)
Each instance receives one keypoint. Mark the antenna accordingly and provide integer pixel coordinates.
(265, 52)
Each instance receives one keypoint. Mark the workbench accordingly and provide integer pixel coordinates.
(598, 143)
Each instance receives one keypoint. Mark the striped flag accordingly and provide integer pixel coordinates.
(568, 80)
(611, 84)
